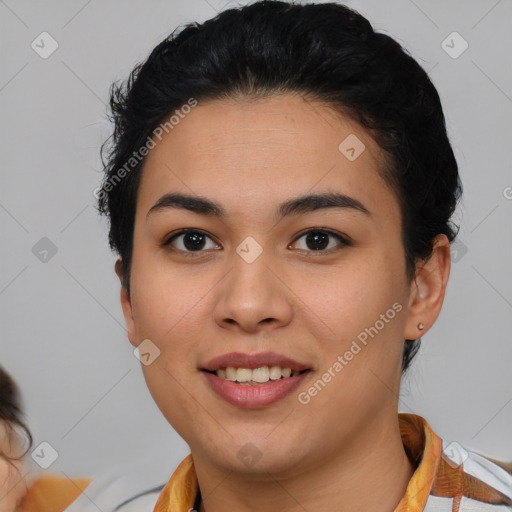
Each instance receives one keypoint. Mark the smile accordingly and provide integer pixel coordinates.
(255, 376)
(254, 380)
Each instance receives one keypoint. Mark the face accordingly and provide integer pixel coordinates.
(12, 484)
(321, 283)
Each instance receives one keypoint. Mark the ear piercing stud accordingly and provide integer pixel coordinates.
(421, 326)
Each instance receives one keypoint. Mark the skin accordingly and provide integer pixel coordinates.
(13, 485)
(343, 450)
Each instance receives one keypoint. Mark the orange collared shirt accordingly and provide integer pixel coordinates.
(448, 477)
(51, 493)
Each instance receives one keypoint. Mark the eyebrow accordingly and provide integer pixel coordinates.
(302, 204)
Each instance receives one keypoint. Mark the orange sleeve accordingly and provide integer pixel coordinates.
(52, 494)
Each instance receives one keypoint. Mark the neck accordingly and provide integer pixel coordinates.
(373, 471)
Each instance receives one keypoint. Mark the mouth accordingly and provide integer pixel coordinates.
(254, 380)
(256, 376)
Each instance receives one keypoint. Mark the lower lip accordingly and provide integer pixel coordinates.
(254, 396)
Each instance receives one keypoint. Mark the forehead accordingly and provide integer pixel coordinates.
(247, 153)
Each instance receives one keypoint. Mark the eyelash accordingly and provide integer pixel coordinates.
(343, 241)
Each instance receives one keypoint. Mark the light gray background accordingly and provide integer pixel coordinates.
(62, 331)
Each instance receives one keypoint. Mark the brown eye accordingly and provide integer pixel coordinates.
(320, 240)
(190, 241)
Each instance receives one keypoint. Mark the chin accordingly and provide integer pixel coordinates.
(257, 455)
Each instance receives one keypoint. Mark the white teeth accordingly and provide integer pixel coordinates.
(230, 373)
(243, 375)
(261, 374)
(258, 375)
(275, 372)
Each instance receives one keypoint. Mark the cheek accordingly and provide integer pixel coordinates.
(363, 306)
(346, 299)
(166, 310)
(168, 307)
(164, 298)
(179, 399)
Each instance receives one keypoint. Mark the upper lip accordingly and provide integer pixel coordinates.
(251, 361)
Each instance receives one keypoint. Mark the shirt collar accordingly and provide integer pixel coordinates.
(421, 444)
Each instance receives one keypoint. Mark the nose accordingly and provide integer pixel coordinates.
(253, 297)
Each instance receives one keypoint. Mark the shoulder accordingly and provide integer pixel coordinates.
(113, 492)
(52, 493)
(467, 481)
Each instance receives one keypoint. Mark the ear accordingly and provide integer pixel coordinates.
(126, 304)
(428, 289)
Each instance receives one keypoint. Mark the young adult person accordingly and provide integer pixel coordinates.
(279, 187)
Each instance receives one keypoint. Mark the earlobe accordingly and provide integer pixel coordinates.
(428, 289)
(126, 304)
